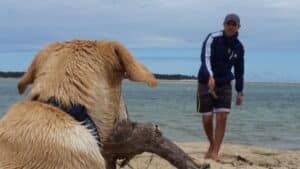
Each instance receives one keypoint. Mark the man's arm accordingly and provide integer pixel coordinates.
(207, 48)
(239, 78)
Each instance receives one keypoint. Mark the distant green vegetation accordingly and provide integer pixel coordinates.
(159, 76)
(11, 74)
(174, 76)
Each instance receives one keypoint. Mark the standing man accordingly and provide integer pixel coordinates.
(220, 52)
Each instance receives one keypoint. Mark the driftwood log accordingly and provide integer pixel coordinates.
(131, 138)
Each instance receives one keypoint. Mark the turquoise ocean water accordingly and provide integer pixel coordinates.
(269, 116)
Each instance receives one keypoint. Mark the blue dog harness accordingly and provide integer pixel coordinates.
(79, 113)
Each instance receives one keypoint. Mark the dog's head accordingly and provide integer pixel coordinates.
(88, 73)
(110, 57)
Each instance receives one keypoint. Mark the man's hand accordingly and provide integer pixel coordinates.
(239, 98)
(211, 83)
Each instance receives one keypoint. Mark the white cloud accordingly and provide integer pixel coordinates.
(284, 4)
(160, 22)
(159, 41)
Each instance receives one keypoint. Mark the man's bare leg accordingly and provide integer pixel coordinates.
(207, 121)
(221, 119)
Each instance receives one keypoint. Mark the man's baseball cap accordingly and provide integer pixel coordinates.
(232, 17)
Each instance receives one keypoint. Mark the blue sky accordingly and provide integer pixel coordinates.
(152, 29)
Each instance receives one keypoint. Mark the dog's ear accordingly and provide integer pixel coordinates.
(30, 75)
(134, 70)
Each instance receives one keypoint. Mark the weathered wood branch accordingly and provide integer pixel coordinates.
(131, 138)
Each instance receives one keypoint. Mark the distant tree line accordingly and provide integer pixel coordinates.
(159, 76)
(173, 76)
(11, 74)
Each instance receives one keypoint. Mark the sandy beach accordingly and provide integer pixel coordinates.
(231, 157)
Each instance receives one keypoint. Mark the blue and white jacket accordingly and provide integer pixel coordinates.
(219, 54)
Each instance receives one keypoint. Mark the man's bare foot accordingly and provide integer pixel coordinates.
(215, 157)
(209, 152)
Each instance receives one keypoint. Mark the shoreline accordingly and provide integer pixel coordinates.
(247, 82)
(231, 156)
(187, 81)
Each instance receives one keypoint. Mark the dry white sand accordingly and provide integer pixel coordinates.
(231, 157)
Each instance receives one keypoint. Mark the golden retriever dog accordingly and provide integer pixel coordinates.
(74, 76)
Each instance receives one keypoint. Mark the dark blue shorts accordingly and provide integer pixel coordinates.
(207, 104)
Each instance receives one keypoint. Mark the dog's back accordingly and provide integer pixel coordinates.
(36, 135)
